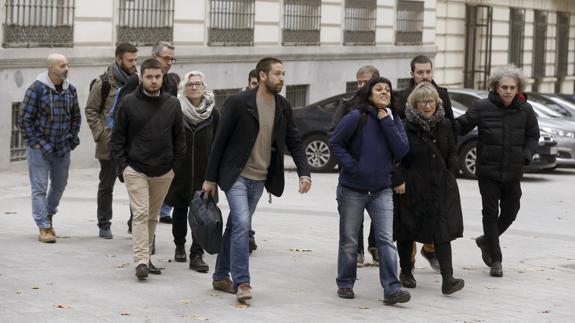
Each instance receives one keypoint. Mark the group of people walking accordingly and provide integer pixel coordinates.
(164, 138)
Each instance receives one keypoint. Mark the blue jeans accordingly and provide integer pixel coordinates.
(41, 168)
(243, 197)
(350, 205)
(165, 210)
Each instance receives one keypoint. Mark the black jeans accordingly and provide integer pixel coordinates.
(105, 191)
(495, 195)
(370, 239)
(442, 252)
(180, 231)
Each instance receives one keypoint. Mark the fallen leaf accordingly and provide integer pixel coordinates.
(300, 250)
(242, 305)
(19, 292)
(468, 268)
(186, 301)
(194, 317)
(63, 306)
(10, 212)
(35, 287)
(124, 265)
(125, 313)
(545, 311)
(363, 308)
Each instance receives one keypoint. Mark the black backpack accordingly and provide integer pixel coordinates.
(345, 106)
(105, 88)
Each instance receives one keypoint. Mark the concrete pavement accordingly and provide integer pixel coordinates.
(82, 278)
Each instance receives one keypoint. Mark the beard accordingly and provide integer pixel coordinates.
(274, 88)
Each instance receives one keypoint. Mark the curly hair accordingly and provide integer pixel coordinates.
(511, 71)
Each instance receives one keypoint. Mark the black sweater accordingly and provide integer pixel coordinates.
(148, 134)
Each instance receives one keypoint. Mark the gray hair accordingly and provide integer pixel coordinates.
(510, 71)
(422, 90)
(182, 85)
(368, 69)
(161, 45)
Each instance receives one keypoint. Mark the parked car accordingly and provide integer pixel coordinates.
(556, 103)
(550, 121)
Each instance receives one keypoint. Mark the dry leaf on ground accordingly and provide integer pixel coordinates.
(63, 306)
(124, 265)
(186, 301)
(300, 250)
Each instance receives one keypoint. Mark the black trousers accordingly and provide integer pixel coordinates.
(370, 239)
(180, 231)
(105, 191)
(496, 196)
(442, 252)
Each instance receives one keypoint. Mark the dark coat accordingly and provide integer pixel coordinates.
(430, 209)
(508, 137)
(237, 133)
(191, 170)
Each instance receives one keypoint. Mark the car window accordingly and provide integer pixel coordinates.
(330, 106)
(544, 111)
(550, 104)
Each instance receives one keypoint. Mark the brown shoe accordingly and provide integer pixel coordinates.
(47, 236)
(224, 285)
(244, 293)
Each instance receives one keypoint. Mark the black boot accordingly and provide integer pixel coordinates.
(198, 264)
(180, 254)
(451, 285)
(496, 269)
(153, 269)
(407, 280)
(485, 254)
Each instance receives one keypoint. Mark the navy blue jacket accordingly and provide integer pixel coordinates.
(367, 162)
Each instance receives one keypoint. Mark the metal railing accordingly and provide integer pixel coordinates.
(403, 83)
(409, 23)
(516, 36)
(231, 23)
(38, 23)
(351, 87)
(562, 47)
(144, 22)
(360, 18)
(539, 40)
(301, 22)
(220, 96)
(297, 95)
(17, 143)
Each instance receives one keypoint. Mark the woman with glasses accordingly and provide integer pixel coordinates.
(200, 122)
(427, 204)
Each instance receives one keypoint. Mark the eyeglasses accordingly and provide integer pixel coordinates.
(168, 59)
(425, 102)
(194, 84)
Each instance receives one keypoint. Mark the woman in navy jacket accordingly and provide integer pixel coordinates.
(366, 142)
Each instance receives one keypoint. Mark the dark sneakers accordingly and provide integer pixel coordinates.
(252, 246)
(374, 255)
(105, 232)
(345, 293)
(166, 219)
(153, 269)
(485, 254)
(180, 254)
(430, 256)
(142, 271)
(401, 296)
(224, 285)
(198, 264)
(451, 285)
(496, 269)
(407, 280)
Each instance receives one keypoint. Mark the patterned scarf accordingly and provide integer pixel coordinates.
(193, 114)
(417, 117)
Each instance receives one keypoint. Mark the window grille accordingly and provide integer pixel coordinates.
(409, 29)
(360, 17)
(220, 96)
(403, 83)
(33, 23)
(17, 144)
(562, 42)
(231, 23)
(351, 87)
(301, 22)
(145, 22)
(296, 95)
(516, 36)
(539, 44)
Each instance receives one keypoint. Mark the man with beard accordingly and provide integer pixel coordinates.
(422, 71)
(247, 155)
(147, 142)
(50, 123)
(99, 115)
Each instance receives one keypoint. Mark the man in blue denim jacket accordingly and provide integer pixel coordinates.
(50, 123)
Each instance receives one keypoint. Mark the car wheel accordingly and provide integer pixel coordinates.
(318, 154)
(468, 159)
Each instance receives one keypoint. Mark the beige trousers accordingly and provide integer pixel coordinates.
(146, 197)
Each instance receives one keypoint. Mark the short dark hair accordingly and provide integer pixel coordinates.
(253, 73)
(420, 59)
(123, 48)
(265, 65)
(150, 63)
(365, 91)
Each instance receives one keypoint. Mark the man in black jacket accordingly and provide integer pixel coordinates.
(247, 154)
(508, 137)
(147, 141)
(422, 71)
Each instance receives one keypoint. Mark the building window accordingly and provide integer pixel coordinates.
(360, 17)
(351, 87)
(539, 40)
(403, 83)
(562, 48)
(143, 22)
(409, 29)
(301, 22)
(32, 23)
(297, 95)
(17, 144)
(220, 96)
(231, 23)
(516, 36)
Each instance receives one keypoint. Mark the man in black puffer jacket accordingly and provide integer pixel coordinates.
(508, 137)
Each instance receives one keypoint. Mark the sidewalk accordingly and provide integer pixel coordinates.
(82, 278)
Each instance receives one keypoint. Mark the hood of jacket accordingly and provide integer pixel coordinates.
(45, 79)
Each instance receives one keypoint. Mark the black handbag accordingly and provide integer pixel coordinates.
(205, 219)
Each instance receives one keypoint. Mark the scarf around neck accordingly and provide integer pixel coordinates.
(417, 117)
(119, 74)
(196, 114)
